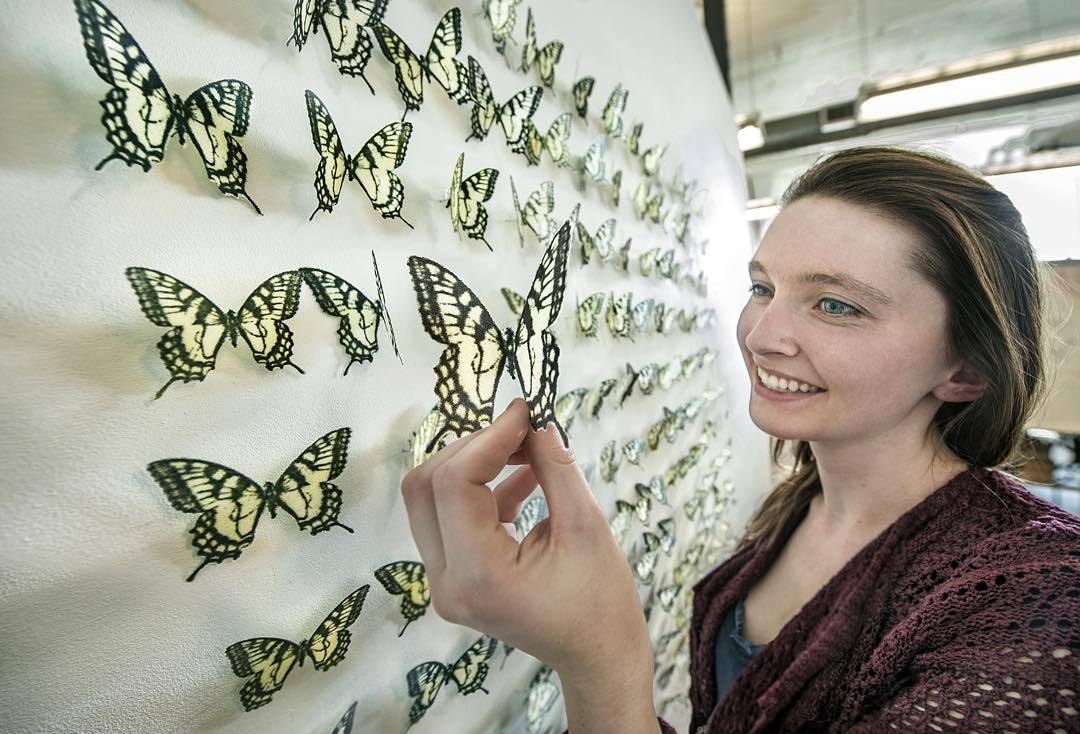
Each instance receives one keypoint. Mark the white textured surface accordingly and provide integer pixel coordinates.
(99, 630)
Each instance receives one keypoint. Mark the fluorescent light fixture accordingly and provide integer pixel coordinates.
(1034, 68)
(750, 134)
(758, 210)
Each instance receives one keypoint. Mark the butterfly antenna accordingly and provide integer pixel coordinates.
(165, 387)
(196, 571)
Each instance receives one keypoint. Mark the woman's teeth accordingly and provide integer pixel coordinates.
(779, 383)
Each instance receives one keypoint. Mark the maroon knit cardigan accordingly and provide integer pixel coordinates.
(963, 615)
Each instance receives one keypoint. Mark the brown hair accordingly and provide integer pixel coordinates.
(974, 249)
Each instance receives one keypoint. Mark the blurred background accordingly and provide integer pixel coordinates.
(993, 84)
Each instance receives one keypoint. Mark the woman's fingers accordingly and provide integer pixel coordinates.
(567, 493)
(512, 491)
(467, 513)
(420, 505)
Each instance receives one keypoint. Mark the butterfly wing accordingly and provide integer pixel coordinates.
(470, 367)
(407, 579)
(440, 61)
(613, 111)
(333, 163)
(344, 725)
(514, 301)
(303, 18)
(582, 90)
(592, 164)
(266, 662)
(343, 22)
(138, 110)
(535, 352)
(588, 314)
(373, 168)
(358, 326)
(556, 139)
(528, 47)
(519, 213)
(261, 320)
(484, 110)
(408, 70)
(327, 647)
(228, 504)
(473, 192)
(514, 115)
(425, 681)
(215, 115)
(470, 670)
(536, 213)
(546, 59)
(502, 16)
(534, 144)
(633, 142)
(304, 490)
(189, 349)
(423, 441)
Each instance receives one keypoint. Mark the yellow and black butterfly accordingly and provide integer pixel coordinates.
(685, 318)
(602, 243)
(588, 314)
(665, 264)
(646, 378)
(654, 490)
(628, 380)
(476, 350)
(343, 23)
(647, 204)
(359, 316)
(650, 159)
(198, 328)
(633, 449)
(647, 261)
(592, 163)
(633, 141)
(613, 111)
(407, 579)
(229, 504)
(620, 524)
(372, 166)
(568, 405)
(543, 693)
(595, 399)
(501, 16)
(582, 91)
(469, 673)
(344, 725)
(513, 116)
(645, 563)
(617, 315)
(667, 534)
(609, 462)
(467, 197)
(616, 187)
(681, 227)
(514, 300)
(640, 313)
(439, 63)
(267, 661)
(622, 256)
(431, 427)
(654, 434)
(536, 213)
(544, 57)
(140, 114)
(553, 141)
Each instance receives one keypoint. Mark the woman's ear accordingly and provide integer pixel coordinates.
(963, 386)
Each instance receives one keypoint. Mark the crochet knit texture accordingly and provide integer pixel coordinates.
(961, 616)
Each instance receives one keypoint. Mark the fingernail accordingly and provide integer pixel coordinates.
(554, 430)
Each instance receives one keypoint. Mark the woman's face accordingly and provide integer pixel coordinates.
(835, 305)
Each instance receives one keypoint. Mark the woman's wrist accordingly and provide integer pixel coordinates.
(618, 699)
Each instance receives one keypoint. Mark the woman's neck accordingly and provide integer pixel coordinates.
(867, 487)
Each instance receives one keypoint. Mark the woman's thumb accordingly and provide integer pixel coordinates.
(556, 470)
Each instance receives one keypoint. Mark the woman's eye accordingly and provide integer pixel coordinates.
(829, 306)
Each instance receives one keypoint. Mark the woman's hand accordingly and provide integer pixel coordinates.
(564, 594)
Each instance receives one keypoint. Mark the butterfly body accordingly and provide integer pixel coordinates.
(140, 115)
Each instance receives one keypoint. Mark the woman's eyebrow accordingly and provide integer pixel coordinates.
(842, 280)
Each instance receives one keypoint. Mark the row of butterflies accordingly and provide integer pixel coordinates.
(217, 114)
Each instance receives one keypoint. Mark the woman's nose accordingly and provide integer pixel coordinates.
(771, 331)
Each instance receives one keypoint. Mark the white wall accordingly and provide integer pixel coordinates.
(98, 628)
